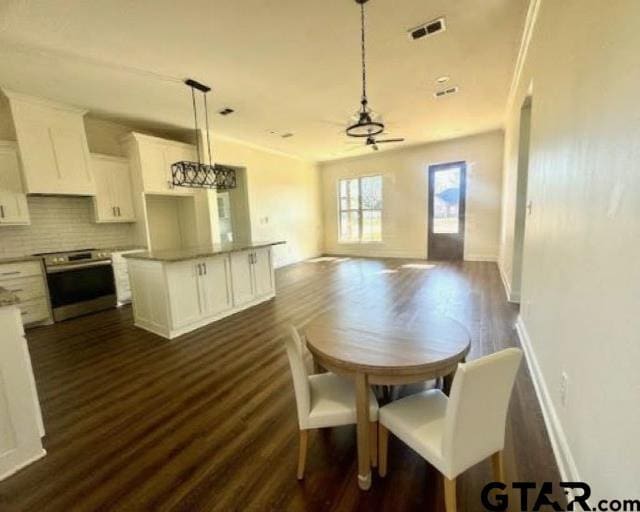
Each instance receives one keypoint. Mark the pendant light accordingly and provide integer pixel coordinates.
(198, 174)
(365, 126)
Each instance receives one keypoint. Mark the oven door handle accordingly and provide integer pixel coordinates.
(78, 266)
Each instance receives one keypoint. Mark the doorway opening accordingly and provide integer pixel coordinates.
(447, 198)
(521, 199)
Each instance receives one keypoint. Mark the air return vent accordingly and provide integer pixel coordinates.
(428, 29)
(446, 92)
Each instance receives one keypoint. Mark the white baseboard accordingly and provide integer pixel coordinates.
(564, 458)
(481, 257)
(511, 297)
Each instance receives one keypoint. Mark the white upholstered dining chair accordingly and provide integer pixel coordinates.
(454, 433)
(323, 400)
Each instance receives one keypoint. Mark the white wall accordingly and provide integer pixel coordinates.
(580, 296)
(284, 198)
(405, 189)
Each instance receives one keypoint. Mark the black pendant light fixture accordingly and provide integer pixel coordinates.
(365, 126)
(198, 174)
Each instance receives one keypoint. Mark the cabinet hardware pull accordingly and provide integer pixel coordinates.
(205, 268)
(24, 312)
(119, 214)
(113, 211)
(16, 290)
(10, 273)
(2, 211)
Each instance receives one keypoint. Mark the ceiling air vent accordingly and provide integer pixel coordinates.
(446, 92)
(428, 29)
(226, 111)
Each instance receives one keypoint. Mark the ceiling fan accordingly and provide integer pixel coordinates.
(367, 125)
(373, 142)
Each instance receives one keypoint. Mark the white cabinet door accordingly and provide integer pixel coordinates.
(263, 272)
(53, 146)
(13, 201)
(113, 201)
(241, 277)
(184, 293)
(122, 192)
(214, 285)
(155, 175)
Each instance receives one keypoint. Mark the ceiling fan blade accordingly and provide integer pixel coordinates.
(388, 140)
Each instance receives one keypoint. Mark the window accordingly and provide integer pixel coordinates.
(360, 209)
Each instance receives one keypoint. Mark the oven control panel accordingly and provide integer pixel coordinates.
(84, 256)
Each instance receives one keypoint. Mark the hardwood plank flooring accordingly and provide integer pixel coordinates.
(208, 421)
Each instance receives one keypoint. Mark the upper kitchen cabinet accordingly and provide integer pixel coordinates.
(152, 157)
(52, 145)
(13, 201)
(113, 201)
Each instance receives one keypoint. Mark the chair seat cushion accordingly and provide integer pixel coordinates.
(418, 420)
(333, 401)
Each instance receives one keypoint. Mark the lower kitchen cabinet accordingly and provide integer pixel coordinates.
(252, 275)
(171, 298)
(26, 280)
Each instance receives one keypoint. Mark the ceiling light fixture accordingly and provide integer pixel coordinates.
(443, 79)
(197, 174)
(365, 126)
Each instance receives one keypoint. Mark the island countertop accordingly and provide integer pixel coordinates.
(191, 253)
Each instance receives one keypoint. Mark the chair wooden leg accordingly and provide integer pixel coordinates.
(302, 453)
(450, 494)
(383, 443)
(497, 461)
(373, 436)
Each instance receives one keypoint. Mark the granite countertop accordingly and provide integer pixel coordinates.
(191, 253)
(18, 259)
(124, 248)
(8, 298)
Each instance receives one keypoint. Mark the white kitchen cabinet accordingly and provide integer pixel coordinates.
(171, 298)
(184, 293)
(153, 157)
(21, 426)
(26, 280)
(198, 289)
(243, 287)
(252, 275)
(263, 276)
(13, 200)
(113, 201)
(215, 285)
(53, 146)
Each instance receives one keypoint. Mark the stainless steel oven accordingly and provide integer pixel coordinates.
(80, 282)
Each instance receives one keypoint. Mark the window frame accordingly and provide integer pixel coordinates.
(359, 210)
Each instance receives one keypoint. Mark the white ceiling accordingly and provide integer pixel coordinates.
(283, 65)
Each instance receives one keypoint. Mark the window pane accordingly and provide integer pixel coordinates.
(354, 193)
(349, 226)
(372, 193)
(446, 200)
(371, 226)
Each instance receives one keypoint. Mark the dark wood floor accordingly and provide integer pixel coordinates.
(208, 421)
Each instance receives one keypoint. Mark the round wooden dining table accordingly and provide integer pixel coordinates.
(380, 349)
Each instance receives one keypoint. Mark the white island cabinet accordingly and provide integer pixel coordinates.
(21, 424)
(177, 291)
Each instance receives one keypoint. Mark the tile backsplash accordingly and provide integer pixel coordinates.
(61, 223)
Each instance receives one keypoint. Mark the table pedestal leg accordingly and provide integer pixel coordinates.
(362, 409)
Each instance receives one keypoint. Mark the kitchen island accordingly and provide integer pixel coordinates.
(178, 290)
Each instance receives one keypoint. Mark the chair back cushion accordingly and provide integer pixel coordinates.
(477, 409)
(295, 353)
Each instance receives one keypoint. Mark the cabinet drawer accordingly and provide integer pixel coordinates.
(21, 269)
(27, 288)
(34, 311)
